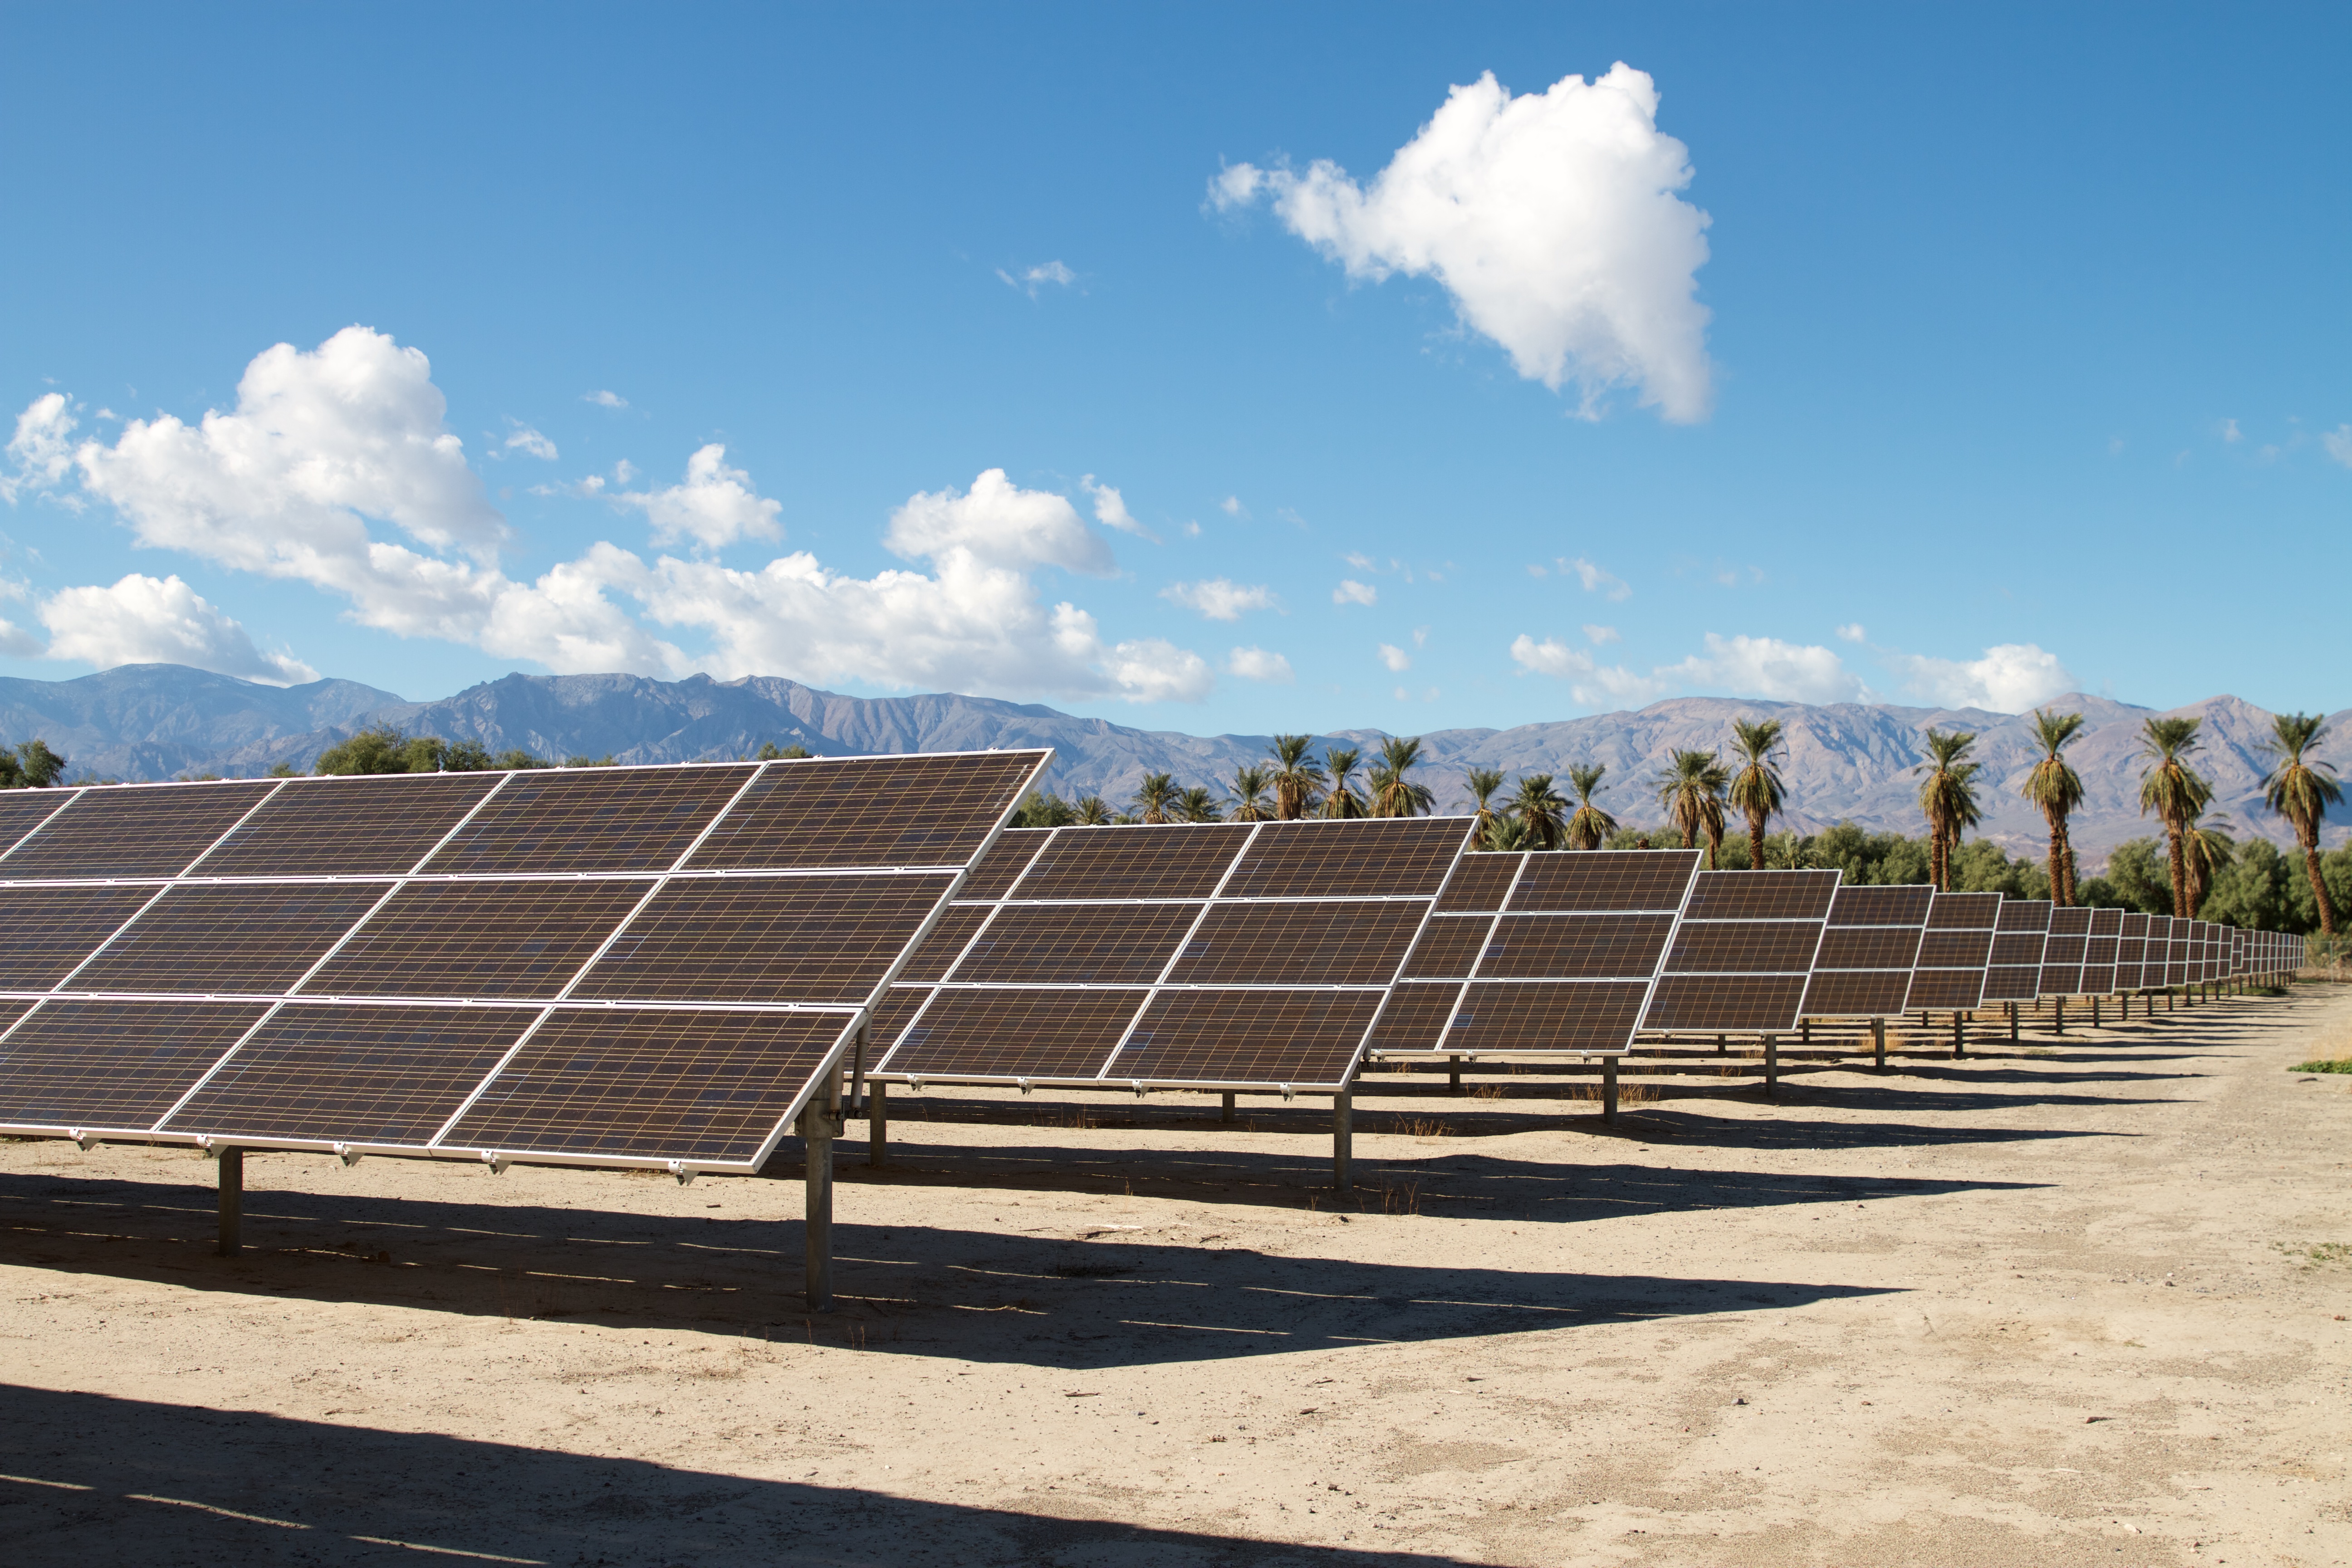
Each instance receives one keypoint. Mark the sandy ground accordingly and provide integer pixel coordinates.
(2084, 1304)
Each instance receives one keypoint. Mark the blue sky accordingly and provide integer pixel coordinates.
(2022, 364)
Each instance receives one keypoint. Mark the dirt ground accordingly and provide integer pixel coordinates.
(2083, 1303)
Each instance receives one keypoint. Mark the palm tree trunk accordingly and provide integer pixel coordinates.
(2061, 893)
(2318, 884)
(2180, 871)
(1754, 839)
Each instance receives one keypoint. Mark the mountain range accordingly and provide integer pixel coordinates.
(1845, 761)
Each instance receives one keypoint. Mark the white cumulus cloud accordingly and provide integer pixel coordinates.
(605, 399)
(146, 620)
(1350, 591)
(2338, 441)
(1219, 598)
(715, 506)
(998, 523)
(1600, 637)
(1767, 666)
(1853, 631)
(531, 443)
(1257, 664)
(41, 451)
(1231, 506)
(2010, 679)
(1030, 280)
(1596, 580)
(1551, 218)
(1395, 658)
(1110, 510)
(1589, 681)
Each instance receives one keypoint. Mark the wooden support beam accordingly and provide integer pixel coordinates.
(231, 1165)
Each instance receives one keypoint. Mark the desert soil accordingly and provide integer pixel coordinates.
(2082, 1301)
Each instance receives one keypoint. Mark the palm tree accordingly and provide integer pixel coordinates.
(1093, 811)
(1948, 798)
(1298, 777)
(1591, 824)
(1484, 782)
(1393, 794)
(1248, 790)
(2302, 792)
(2171, 790)
(1759, 790)
(1504, 833)
(2057, 789)
(1691, 789)
(1343, 800)
(1197, 804)
(2208, 848)
(1156, 797)
(1538, 807)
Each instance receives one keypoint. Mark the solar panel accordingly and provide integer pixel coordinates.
(1743, 951)
(2101, 949)
(1564, 965)
(2013, 971)
(1118, 954)
(23, 810)
(1480, 883)
(131, 830)
(407, 963)
(1868, 946)
(2062, 958)
(1949, 973)
(2131, 949)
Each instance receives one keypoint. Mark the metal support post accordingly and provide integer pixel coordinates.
(1609, 1090)
(1878, 1041)
(1343, 1141)
(1226, 1115)
(2094, 1012)
(1771, 1064)
(1805, 1030)
(2012, 1023)
(231, 1162)
(1453, 1075)
(2060, 1004)
(1721, 1047)
(1959, 1037)
(817, 1129)
(878, 1124)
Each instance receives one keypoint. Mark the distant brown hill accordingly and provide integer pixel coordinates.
(1846, 761)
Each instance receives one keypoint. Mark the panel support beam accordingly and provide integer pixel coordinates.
(1226, 1115)
(2012, 1023)
(1878, 1041)
(2059, 1004)
(1343, 1142)
(1771, 1064)
(1453, 1075)
(1959, 1036)
(231, 1165)
(878, 1124)
(1609, 1090)
(817, 1128)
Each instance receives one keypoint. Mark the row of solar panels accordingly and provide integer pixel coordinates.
(1168, 957)
(659, 966)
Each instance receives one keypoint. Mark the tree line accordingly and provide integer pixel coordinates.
(1701, 794)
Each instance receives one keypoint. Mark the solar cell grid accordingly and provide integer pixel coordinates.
(1868, 947)
(1299, 944)
(46, 932)
(253, 938)
(1006, 859)
(2011, 947)
(1606, 880)
(827, 940)
(1449, 945)
(1882, 905)
(1308, 1038)
(1954, 949)
(1748, 1003)
(1503, 1016)
(131, 830)
(1946, 990)
(1152, 862)
(678, 1083)
(1762, 894)
(2106, 922)
(111, 1066)
(935, 952)
(1479, 882)
(365, 1073)
(870, 811)
(1744, 946)
(1576, 947)
(1414, 1019)
(1078, 944)
(1393, 857)
(347, 826)
(491, 940)
(2022, 915)
(591, 819)
(1013, 1034)
(1964, 911)
(1857, 993)
(23, 810)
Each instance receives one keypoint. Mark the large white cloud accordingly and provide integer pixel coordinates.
(1553, 220)
(1219, 598)
(1767, 666)
(1589, 680)
(325, 445)
(41, 450)
(147, 620)
(2010, 679)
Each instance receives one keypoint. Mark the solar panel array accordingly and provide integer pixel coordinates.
(1868, 949)
(648, 965)
(1744, 953)
(2013, 969)
(1231, 954)
(1953, 952)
